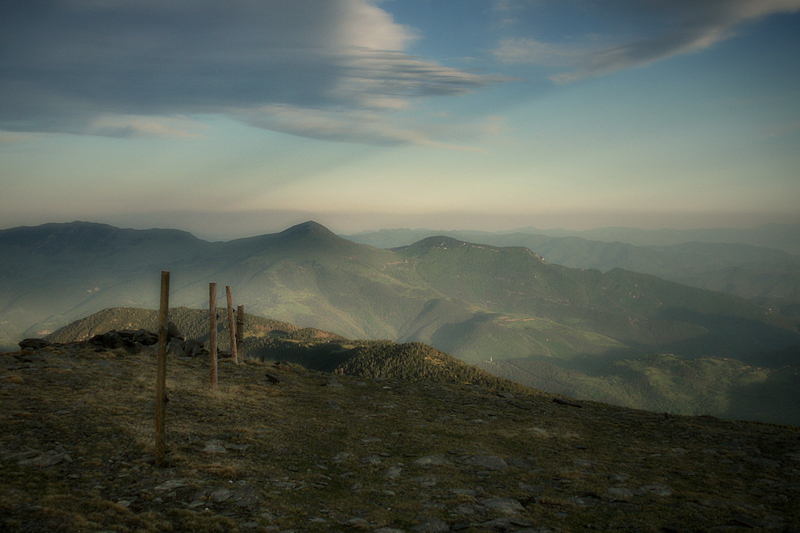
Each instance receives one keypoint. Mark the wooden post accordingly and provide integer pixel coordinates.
(231, 324)
(240, 330)
(212, 335)
(161, 373)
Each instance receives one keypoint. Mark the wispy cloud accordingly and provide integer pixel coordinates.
(684, 26)
(139, 67)
(141, 126)
(342, 125)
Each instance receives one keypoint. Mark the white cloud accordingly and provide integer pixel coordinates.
(688, 26)
(364, 126)
(120, 67)
(144, 126)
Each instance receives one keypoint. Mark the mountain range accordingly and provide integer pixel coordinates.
(760, 264)
(477, 302)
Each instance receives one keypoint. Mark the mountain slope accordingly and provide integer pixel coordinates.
(726, 388)
(271, 340)
(473, 301)
(320, 452)
(746, 270)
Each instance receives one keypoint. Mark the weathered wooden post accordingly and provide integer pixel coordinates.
(212, 335)
(161, 372)
(231, 324)
(240, 330)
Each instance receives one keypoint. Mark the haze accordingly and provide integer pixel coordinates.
(235, 118)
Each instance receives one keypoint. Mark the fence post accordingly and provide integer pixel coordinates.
(231, 324)
(161, 373)
(240, 330)
(212, 334)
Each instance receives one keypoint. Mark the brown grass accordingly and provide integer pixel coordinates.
(312, 453)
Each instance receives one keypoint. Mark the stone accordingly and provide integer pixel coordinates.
(619, 494)
(170, 485)
(212, 447)
(432, 460)
(393, 472)
(194, 348)
(221, 495)
(487, 462)
(504, 505)
(655, 489)
(33, 344)
(431, 525)
(341, 457)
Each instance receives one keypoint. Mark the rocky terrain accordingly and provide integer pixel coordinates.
(277, 447)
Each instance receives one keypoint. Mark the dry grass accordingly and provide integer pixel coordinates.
(317, 452)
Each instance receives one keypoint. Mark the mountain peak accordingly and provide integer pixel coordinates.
(308, 229)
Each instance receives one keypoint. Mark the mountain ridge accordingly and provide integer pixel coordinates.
(655, 382)
(750, 270)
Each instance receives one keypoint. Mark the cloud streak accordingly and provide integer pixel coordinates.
(138, 67)
(685, 26)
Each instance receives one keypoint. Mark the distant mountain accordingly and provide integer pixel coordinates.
(746, 270)
(476, 302)
(784, 237)
(721, 387)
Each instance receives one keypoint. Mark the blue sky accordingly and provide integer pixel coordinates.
(237, 118)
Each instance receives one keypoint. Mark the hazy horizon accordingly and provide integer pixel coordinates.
(237, 119)
(258, 226)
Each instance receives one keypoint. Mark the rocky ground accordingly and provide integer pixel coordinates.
(278, 448)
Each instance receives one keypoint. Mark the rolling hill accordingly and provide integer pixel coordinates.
(270, 340)
(726, 388)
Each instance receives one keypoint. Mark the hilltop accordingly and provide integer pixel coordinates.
(313, 451)
(722, 387)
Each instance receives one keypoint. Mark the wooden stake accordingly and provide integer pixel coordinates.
(240, 330)
(161, 374)
(212, 335)
(231, 324)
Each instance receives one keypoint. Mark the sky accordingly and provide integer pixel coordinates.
(237, 118)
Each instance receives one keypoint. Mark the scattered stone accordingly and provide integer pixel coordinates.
(371, 460)
(504, 505)
(221, 495)
(51, 458)
(171, 485)
(432, 460)
(33, 344)
(507, 523)
(341, 457)
(213, 447)
(655, 489)
(333, 404)
(393, 472)
(619, 494)
(432, 525)
(487, 462)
